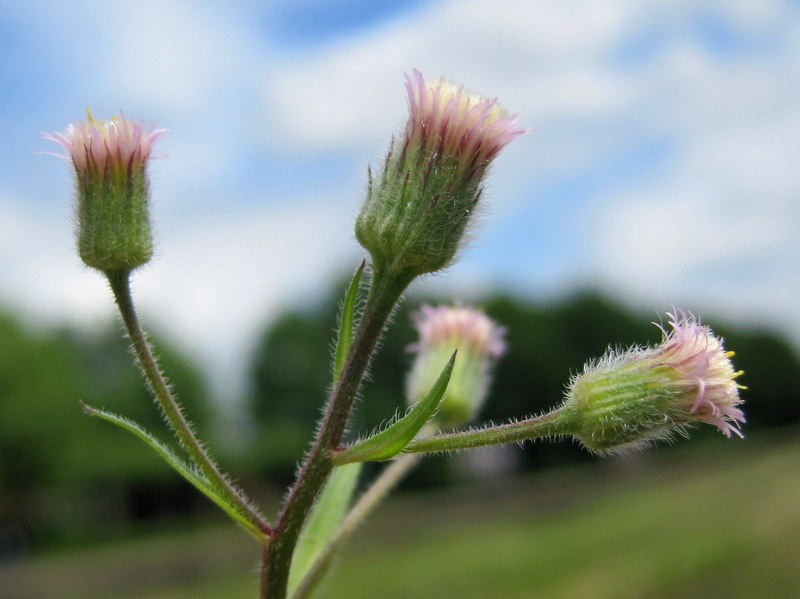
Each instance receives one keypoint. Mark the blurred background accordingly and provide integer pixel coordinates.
(659, 171)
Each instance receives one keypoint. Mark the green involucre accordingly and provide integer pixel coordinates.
(114, 232)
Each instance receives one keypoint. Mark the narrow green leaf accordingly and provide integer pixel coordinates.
(345, 337)
(324, 521)
(184, 469)
(392, 440)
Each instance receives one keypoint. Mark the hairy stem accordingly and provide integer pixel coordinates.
(120, 286)
(558, 422)
(385, 291)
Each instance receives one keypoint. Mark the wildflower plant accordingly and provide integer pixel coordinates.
(418, 205)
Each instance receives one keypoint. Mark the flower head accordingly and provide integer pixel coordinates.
(422, 200)
(480, 343)
(628, 399)
(110, 160)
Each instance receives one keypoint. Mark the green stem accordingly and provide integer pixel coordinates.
(385, 291)
(390, 476)
(560, 421)
(120, 286)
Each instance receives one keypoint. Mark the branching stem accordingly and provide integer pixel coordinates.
(385, 291)
(120, 286)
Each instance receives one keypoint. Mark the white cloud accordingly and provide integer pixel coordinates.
(213, 284)
(182, 57)
(716, 224)
(352, 92)
(39, 269)
(217, 280)
(688, 247)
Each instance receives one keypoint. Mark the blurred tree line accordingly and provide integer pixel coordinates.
(65, 477)
(548, 343)
(68, 478)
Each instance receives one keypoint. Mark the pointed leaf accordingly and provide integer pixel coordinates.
(389, 442)
(184, 469)
(324, 521)
(345, 338)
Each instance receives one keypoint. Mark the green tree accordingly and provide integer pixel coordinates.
(63, 474)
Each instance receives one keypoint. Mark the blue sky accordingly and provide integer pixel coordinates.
(661, 166)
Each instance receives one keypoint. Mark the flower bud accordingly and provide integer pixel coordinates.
(110, 160)
(480, 343)
(419, 204)
(629, 399)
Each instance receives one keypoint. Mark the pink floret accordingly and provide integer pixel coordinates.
(118, 145)
(699, 356)
(445, 117)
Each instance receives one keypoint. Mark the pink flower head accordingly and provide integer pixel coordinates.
(628, 399)
(99, 148)
(447, 119)
(480, 343)
(458, 327)
(703, 365)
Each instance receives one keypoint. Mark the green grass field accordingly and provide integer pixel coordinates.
(721, 522)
